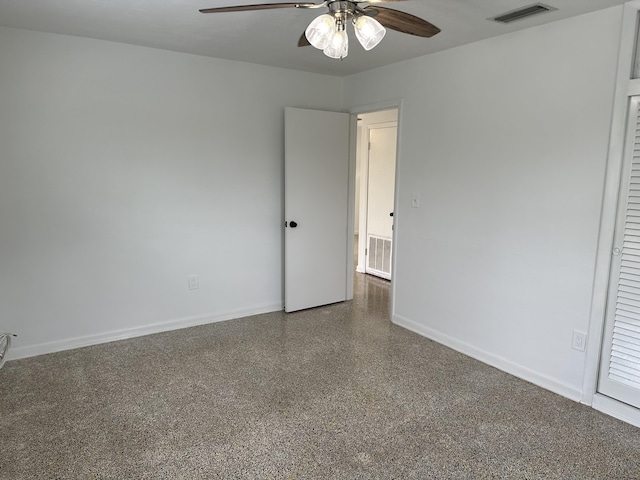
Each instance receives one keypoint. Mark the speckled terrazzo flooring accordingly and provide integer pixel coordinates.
(333, 392)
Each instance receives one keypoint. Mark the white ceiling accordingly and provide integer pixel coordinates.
(270, 37)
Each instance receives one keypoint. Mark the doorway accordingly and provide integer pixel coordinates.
(376, 145)
(352, 203)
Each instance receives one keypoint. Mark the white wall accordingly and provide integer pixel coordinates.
(125, 169)
(506, 142)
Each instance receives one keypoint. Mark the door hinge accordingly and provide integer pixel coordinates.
(366, 251)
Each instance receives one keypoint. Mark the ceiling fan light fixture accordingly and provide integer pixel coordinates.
(339, 45)
(320, 31)
(327, 32)
(369, 31)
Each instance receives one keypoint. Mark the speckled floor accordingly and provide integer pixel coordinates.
(334, 392)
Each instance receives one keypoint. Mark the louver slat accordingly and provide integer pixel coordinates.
(628, 302)
(627, 372)
(626, 336)
(629, 277)
(630, 296)
(629, 287)
(626, 381)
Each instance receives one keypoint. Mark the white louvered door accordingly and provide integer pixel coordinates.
(620, 365)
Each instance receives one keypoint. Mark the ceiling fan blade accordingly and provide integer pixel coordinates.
(403, 22)
(302, 41)
(380, 1)
(259, 6)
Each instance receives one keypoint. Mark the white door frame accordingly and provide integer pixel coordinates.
(623, 90)
(355, 111)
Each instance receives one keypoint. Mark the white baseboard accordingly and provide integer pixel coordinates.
(496, 361)
(77, 342)
(616, 409)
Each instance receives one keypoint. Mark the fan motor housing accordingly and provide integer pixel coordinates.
(340, 6)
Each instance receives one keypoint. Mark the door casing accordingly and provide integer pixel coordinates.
(397, 226)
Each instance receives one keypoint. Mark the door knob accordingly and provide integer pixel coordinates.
(293, 224)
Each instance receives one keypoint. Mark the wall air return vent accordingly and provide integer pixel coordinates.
(524, 12)
(379, 256)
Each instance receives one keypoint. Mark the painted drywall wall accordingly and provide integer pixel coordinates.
(123, 170)
(505, 141)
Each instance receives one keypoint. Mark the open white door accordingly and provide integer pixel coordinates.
(380, 197)
(316, 208)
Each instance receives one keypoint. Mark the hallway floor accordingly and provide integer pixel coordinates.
(332, 392)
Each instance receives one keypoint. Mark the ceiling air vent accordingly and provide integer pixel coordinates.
(522, 13)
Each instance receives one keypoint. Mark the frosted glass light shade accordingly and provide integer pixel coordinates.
(320, 31)
(338, 46)
(369, 32)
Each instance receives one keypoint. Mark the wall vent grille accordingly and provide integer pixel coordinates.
(379, 256)
(524, 12)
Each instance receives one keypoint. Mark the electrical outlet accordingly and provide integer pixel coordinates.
(415, 200)
(579, 340)
(194, 283)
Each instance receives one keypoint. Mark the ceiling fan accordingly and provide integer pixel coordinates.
(328, 31)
